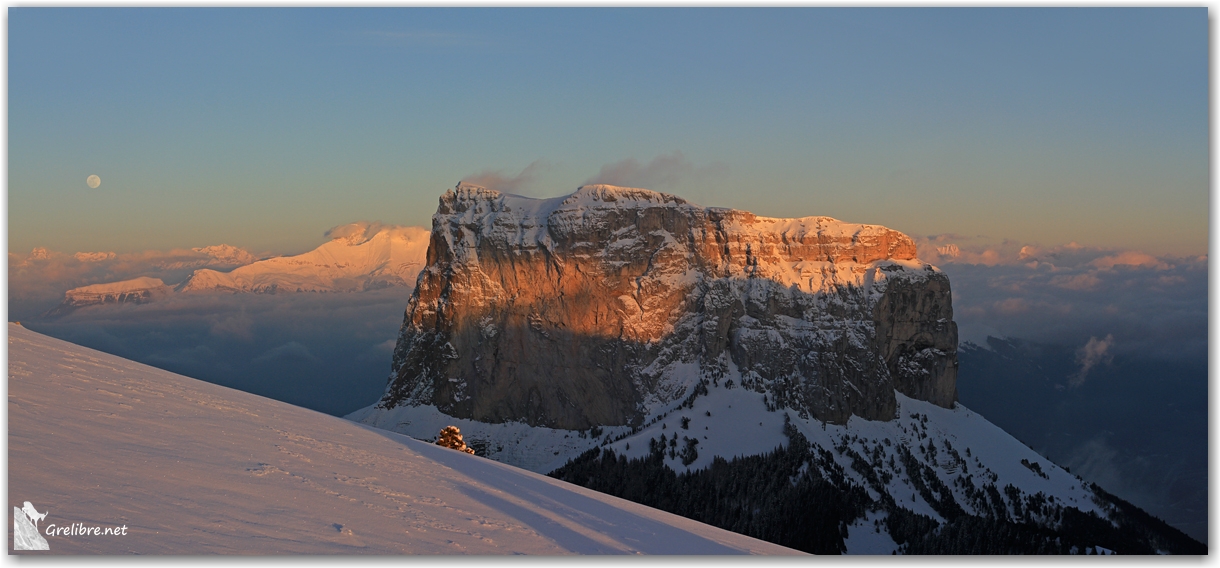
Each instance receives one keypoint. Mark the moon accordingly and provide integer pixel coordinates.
(93, 181)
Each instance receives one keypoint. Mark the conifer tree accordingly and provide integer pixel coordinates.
(451, 437)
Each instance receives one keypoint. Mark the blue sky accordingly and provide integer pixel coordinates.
(262, 128)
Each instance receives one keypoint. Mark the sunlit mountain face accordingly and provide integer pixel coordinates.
(634, 343)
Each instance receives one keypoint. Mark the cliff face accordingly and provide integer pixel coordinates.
(613, 304)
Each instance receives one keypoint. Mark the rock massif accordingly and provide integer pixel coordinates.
(612, 305)
(135, 291)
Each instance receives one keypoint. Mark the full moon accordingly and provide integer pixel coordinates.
(93, 181)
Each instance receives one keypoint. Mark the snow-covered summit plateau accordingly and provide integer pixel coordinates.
(189, 467)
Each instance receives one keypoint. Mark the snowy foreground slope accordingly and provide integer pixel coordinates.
(194, 468)
(950, 467)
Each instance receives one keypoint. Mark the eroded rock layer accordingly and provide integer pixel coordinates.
(612, 304)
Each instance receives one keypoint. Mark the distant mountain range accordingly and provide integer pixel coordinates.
(390, 256)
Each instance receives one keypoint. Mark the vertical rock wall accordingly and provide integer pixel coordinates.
(607, 305)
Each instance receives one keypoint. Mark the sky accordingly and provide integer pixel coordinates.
(261, 128)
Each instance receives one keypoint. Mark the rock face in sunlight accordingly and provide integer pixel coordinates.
(612, 304)
(790, 379)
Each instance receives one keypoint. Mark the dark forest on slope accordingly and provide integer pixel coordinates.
(801, 498)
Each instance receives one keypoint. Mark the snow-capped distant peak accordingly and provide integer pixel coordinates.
(359, 256)
(141, 283)
(227, 254)
(93, 256)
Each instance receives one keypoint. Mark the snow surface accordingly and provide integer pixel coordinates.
(868, 536)
(518, 444)
(525, 223)
(194, 468)
(227, 254)
(732, 421)
(740, 425)
(113, 288)
(394, 255)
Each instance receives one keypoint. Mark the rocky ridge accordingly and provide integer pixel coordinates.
(612, 305)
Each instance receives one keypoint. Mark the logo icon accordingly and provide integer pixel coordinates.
(25, 528)
(33, 513)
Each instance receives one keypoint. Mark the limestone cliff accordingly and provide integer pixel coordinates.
(610, 305)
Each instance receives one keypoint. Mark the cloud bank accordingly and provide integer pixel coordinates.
(328, 352)
(1072, 295)
(38, 280)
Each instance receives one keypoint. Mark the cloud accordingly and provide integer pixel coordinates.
(239, 326)
(948, 237)
(184, 360)
(1012, 306)
(357, 232)
(93, 256)
(37, 281)
(1093, 353)
(379, 353)
(960, 249)
(328, 352)
(664, 171)
(1076, 282)
(1130, 258)
(1095, 459)
(501, 181)
(287, 353)
(1068, 294)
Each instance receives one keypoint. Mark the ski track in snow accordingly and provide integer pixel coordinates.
(196, 468)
